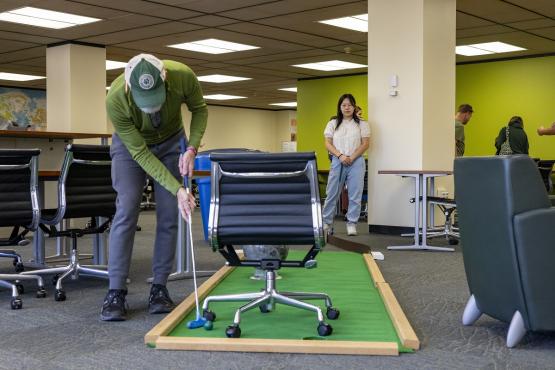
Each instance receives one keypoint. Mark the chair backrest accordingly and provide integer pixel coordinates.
(85, 184)
(490, 191)
(18, 188)
(261, 198)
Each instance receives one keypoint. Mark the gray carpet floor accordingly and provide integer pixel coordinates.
(430, 286)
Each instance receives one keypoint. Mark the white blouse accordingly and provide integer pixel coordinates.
(348, 136)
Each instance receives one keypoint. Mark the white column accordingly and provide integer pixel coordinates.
(413, 40)
(76, 88)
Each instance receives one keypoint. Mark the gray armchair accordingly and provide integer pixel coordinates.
(508, 235)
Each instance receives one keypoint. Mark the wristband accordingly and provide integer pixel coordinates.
(193, 149)
(339, 156)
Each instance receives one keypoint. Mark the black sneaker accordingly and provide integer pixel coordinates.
(159, 300)
(114, 307)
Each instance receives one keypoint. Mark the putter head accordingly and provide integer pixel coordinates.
(197, 323)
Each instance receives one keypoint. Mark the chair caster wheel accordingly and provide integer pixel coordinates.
(208, 325)
(233, 331)
(41, 293)
(324, 329)
(264, 308)
(209, 315)
(19, 267)
(332, 313)
(60, 295)
(453, 241)
(16, 304)
(20, 288)
(55, 279)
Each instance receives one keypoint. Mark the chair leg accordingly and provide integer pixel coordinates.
(249, 306)
(307, 295)
(16, 302)
(471, 312)
(230, 298)
(517, 330)
(299, 304)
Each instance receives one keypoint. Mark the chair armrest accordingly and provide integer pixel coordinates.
(535, 240)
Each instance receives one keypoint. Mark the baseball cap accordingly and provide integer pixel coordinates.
(143, 74)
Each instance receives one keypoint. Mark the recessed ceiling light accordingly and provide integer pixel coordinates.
(112, 64)
(213, 46)
(494, 47)
(355, 22)
(44, 18)
(330, 65)
(223, 97)
(291, 89)
(470, 51)
(18, 77)
(221, 78)
(286, 104)
(497, 47)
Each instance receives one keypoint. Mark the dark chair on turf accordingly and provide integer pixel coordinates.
(506, 223)
(269, 199)
(19, 209)
(84, 191)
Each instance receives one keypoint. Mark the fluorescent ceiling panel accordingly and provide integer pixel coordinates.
(112, 64)
(213, 46)
(223, 97)
(221, 78)
(44, 18)
(290, 89)
(497, 47)
(330, 65)
(469, 51)
(494, 47)
(355, 22)
(286, 104)
(18, 77)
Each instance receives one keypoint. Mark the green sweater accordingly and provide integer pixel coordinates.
(135, 129)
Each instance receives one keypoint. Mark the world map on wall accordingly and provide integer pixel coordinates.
(22, 108)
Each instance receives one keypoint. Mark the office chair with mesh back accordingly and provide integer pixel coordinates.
(84, 191)
(18, 209)
(271, 199)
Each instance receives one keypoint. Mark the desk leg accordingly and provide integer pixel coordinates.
(421, 183)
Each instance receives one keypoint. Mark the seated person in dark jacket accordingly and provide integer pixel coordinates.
(518, 140)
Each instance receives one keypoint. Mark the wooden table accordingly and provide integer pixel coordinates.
(421, 178)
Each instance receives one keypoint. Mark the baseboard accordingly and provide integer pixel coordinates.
(390, 230)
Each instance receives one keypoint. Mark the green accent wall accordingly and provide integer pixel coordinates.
(317, 102)
(499, 90)
(496, 90)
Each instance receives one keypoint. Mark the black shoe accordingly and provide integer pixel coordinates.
(159, 300)
(114, 307)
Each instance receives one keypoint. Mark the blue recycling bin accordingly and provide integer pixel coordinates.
(203, 163)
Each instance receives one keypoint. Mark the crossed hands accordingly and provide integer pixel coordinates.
(346, 160)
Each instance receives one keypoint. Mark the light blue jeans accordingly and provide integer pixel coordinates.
(353, 175)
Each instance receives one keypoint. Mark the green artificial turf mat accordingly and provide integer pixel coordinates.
(342, 275)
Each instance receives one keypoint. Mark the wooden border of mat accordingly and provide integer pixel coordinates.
(158, 338)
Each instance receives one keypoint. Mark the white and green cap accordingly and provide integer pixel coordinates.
(143, 74)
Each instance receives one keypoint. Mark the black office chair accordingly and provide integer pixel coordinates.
(506, 223)
(18, 209)
(270, 199)
(84, 190)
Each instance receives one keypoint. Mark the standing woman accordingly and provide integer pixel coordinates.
(346, 138)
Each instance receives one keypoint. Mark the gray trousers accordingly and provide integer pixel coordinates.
(128, 180)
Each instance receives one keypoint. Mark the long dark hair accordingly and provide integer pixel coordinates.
(339, 116)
